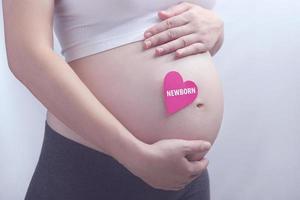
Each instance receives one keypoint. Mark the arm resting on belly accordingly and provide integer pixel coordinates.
(61, 91)
(28, 37)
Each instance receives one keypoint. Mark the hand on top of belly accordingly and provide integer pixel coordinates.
(187, 29)
(165, 164)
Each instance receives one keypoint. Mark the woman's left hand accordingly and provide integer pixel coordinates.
(187, 29)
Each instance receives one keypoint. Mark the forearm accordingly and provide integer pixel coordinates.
(53, 82)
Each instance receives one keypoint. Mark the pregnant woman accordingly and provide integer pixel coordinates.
(108, 134)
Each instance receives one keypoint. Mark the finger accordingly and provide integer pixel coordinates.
(194, 146)
(191, 179)
(196, 156)
(176, 44)
(168, 35)
(165, 25)
(192, 49)
(198, 167)
(174, 10)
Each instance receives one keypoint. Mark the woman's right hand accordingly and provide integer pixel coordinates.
(164, 164)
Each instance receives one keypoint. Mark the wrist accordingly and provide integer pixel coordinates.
(129, 151)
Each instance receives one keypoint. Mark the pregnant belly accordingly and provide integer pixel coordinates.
(128, 81)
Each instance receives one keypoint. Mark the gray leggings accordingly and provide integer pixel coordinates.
(68, 170)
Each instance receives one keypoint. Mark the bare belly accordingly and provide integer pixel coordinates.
(128, 81)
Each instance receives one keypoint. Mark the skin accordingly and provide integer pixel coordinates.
(131, 92)
(53, 82)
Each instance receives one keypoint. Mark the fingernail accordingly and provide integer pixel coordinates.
(179, 52)
(148, 34)
(207, 145)
(159, 50)
(147, 43)
(164, 12)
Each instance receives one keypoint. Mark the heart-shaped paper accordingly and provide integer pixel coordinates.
(178, 94)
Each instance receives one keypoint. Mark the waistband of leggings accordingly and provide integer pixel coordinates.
(56, 141)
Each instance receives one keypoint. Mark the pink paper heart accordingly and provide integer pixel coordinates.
(178, 94)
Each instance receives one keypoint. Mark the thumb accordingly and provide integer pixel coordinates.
(195, 146)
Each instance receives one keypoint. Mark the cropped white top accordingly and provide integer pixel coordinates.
(87, 27)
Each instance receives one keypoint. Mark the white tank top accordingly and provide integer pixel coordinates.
(86, 27)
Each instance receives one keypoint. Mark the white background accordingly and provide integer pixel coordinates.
(257, 154)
